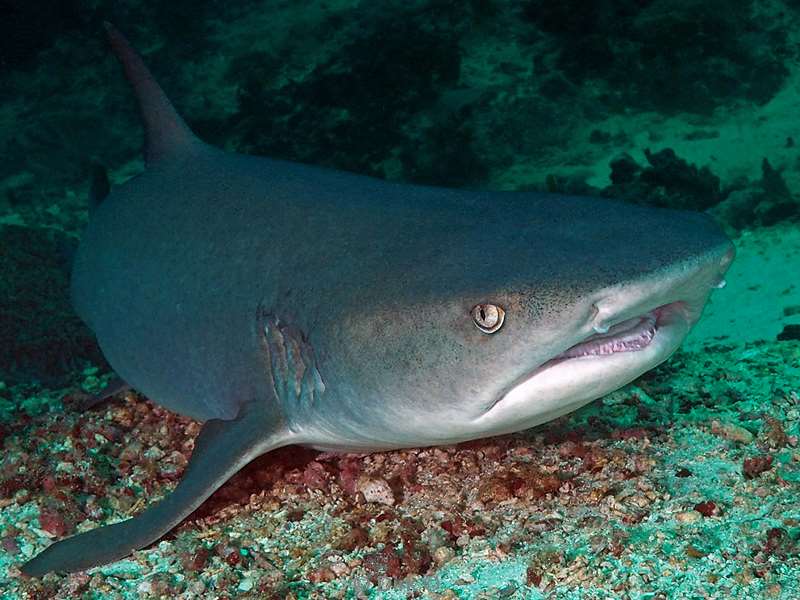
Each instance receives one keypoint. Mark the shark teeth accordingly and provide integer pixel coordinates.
(628, 336)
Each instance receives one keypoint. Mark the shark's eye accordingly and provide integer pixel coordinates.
(488, 317)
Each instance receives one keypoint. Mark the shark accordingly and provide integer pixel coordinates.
(282, 303)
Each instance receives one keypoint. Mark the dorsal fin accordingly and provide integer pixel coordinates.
(166, 133)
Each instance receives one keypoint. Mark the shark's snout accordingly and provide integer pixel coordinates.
(726, 260)
(620, 330)
(710, 275)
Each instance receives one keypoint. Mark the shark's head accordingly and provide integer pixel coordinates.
(521, 309)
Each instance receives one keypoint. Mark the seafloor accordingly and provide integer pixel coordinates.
(684, 484)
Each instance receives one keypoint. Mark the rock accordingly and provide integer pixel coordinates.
(732, 432)
(688, 516)
(375, 490)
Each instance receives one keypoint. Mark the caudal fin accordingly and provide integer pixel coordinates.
(166, 133)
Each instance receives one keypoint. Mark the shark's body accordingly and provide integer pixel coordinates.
(283, 303)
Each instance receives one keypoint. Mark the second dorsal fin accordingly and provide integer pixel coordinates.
(166, 133)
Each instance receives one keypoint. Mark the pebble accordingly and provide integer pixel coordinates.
(731, 432)
(775, 590)
(123, 569)
(154, 453)
(443, 554)
(688, 516)
(245, 585)
(375, 490)
(507, 590)
(197, 587)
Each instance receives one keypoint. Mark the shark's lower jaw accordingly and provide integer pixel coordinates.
(589, 369)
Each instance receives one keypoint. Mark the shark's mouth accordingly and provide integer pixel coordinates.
(628, 336)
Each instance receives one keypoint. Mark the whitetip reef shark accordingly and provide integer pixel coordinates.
(288, 304)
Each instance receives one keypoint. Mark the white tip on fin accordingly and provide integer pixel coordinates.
(166, 133)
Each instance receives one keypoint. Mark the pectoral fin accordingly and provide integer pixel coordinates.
(221, 449)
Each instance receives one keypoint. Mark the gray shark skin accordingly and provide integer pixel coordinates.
(287, 304)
